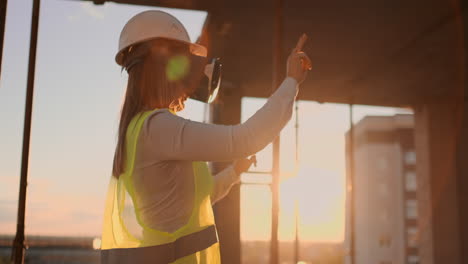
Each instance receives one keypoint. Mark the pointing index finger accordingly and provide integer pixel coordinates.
(301, 42)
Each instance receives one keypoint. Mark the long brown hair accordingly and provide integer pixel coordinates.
(150, 85)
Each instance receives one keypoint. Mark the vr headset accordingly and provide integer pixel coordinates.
(202, 79)
(210, 82)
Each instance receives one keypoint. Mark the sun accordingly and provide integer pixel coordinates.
(317, 196)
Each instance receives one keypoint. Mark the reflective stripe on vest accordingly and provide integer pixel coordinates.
(127, 239)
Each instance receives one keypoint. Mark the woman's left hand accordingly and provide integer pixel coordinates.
(242, 165)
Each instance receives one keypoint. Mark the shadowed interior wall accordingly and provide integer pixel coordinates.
(227, 211)
(435, 129)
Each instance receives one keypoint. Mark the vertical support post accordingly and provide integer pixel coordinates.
(462, 148)
(462, 178)
(437, 137)
(18, 244)
(227, 211)
(277, 75)
(3, 9)
(350, 188)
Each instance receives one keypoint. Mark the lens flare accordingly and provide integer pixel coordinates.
(177, 67)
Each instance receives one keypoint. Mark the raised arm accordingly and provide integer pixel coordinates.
(170, 137)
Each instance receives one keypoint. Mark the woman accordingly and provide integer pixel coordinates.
(159, 202)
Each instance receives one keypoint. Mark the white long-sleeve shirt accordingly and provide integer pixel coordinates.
(168, 144)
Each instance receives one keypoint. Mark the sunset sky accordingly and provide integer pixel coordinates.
(78, 94)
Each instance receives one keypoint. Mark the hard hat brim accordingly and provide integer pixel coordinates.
(195, 49)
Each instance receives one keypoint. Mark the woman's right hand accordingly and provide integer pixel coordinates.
(298, 64)
(243, 165)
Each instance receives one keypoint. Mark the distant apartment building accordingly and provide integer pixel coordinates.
(385, 186)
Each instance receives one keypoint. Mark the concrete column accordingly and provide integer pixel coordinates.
(462, 181)
(437, 137)
(227, 211)
(462, 150)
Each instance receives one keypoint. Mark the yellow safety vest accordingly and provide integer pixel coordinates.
(127, 239)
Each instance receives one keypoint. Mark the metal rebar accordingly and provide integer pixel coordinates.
(296, 238)
(296, 130)
(350, 187)
(3, 9)
(260, 172)
(296, 202)
(18, 244)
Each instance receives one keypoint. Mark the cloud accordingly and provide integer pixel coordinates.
(91, 10)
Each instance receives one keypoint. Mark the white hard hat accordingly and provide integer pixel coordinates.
(154, 24)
